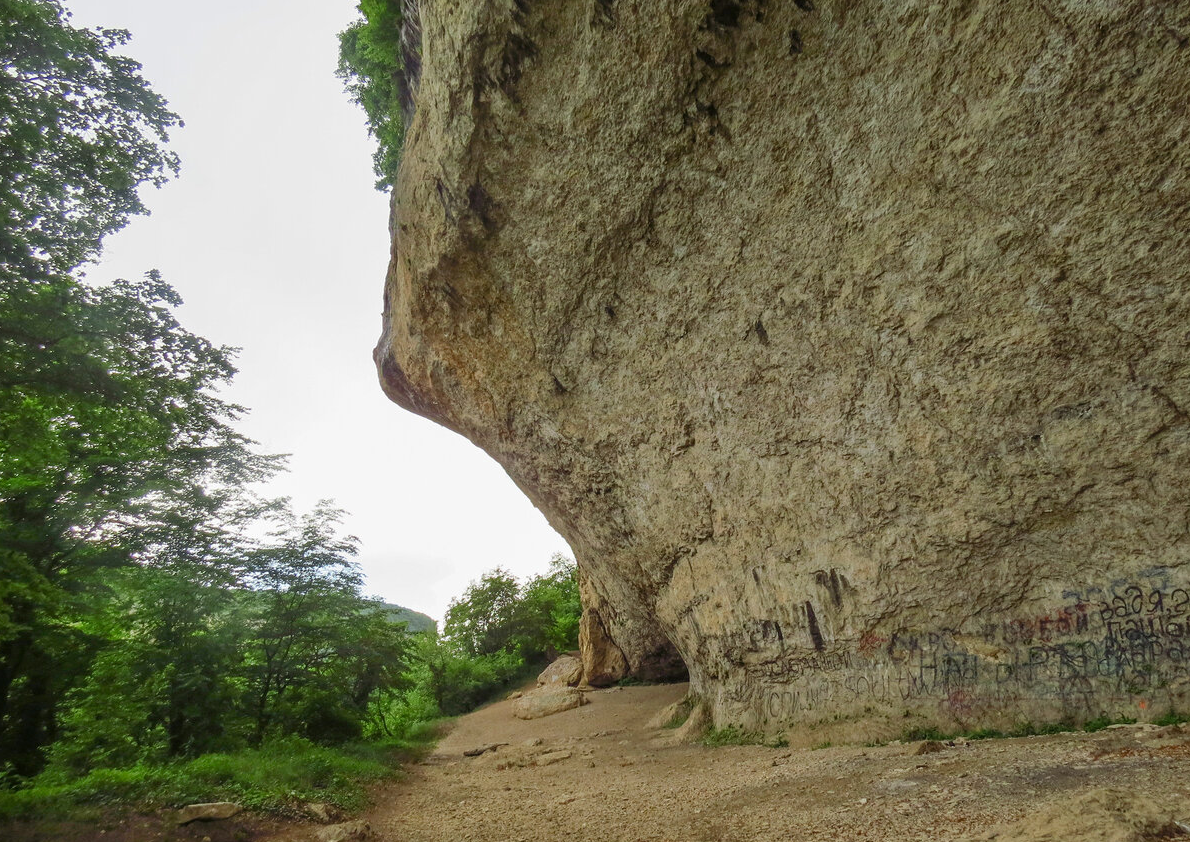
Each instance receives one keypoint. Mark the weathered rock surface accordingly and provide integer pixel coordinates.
(565, 671)
(353, 831)
(846, 343)
(208, 812)
(546, 701)
(322, 812)
(1100, 815)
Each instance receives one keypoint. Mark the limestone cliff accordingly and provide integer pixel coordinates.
(846, 341)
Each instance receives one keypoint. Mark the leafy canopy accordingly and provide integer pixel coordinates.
(116, 451)
(139, 620)
(80, 130)
(372, 67)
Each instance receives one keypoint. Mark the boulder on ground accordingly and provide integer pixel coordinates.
(322, 812)
(552, 757)
(208, 812)
(483, 749)
(566, 670)
(546, 701)
(356, 831)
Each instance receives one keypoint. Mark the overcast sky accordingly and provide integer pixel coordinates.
(277, 240)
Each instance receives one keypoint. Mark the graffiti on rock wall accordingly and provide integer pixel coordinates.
(1129, 638)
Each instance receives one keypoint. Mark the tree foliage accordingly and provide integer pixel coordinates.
(498, 629)
(272, 642)
(143, 618)
(115, 450)
(498, 614)
(81, 130)
(138, 619)
(372, 65)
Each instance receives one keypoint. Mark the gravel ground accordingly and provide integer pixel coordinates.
(599, 772)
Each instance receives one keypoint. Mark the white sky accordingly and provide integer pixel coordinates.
(277, 240)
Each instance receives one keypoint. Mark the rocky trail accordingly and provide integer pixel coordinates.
(604, 771)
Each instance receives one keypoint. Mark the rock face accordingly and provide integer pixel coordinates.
(565, 671)
(208, 812)
(845, 341)
(546, 701)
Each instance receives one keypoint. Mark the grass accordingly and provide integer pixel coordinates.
(1101, 722)
(276, 778)
(1172, 718)
(633, 681)
(1028, 729)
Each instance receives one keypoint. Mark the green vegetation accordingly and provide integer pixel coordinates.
(497, 634)
(81, 131)
(931, 733)
(1101, 722)
(1029, 729)
(276, 778)
(372, 65)
(1172, 718)
(414, 621)
(167, 635)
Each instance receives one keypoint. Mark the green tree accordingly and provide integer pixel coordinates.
(551, 610)
(373, 54)
(318, 650)
(163, 683)
(114, 447)
(459, 682)
(487, 618)
(81, 130)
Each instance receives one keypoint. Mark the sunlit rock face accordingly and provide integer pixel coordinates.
(846, 342)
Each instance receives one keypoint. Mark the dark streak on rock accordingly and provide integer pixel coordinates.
(481, 204)
(444, 199)
(725, 13)
(517, 50)
(815, 632)
(604, 14)
(709, 60)
(409, 76)
(836, 588)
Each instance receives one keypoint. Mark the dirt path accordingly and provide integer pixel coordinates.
(599, 772)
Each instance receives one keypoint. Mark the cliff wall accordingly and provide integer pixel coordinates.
(845, 341)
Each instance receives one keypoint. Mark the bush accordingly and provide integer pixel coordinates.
(277, 777)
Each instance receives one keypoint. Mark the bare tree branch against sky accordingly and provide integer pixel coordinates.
(277, 240)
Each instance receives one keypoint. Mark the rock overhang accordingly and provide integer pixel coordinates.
(854, 367)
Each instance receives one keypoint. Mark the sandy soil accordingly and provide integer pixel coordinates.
(599, 772)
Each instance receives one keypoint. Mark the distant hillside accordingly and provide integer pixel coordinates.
(414, 620)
